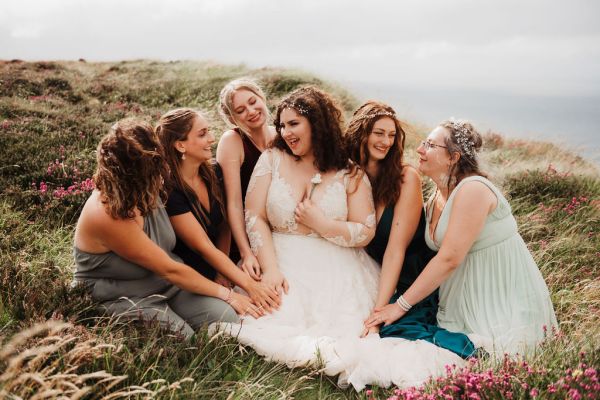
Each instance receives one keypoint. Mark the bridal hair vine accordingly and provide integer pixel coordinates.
(377, 114)
(301, 110)
(463, 139)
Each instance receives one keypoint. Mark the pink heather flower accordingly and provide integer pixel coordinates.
(534, 392)
(574, 394)
(43, 187)
(369, 392)
(590, 372)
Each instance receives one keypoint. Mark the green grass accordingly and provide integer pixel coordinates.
(52, 115)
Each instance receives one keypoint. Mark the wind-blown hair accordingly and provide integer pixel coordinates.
(130, 169)
(174, 126)
(226, 101)
(464, 139)
(325, 118)
(390, 168)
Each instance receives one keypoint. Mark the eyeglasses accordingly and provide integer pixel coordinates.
(429, 145)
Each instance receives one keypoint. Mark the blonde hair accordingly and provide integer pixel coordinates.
(226, 100)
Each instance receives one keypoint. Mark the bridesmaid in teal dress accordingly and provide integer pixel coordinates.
(489, 285)
(376, 141)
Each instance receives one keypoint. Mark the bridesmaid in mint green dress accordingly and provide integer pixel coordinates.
(376, 144)
(489, 285)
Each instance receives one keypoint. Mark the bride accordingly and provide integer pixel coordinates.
(308, 214)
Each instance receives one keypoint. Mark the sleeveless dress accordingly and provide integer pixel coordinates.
(133, 292)
(420, 322)
(251, 156)
(178, 203)
(332, 290)
(497, 295)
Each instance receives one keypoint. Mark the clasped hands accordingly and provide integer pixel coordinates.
(382, 315)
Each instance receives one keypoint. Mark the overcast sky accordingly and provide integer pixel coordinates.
(524, 48)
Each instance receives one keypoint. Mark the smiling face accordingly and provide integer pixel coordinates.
(381, 138)
(296, 131)
(198, 142)
(249, 110)
(435, 161)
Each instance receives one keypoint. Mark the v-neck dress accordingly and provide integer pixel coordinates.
(420, 322)
(178, 203)
(497, 295)
(251, 156)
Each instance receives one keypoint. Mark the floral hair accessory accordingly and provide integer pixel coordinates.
(315, 181)
(463, 139)
(377, 114)
(298, 108)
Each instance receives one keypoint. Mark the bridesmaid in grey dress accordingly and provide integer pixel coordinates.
(123, 242)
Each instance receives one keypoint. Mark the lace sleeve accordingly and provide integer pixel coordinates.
(360, 227)
(263, 167)
(257, 225)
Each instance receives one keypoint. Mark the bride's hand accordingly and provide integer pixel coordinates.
(276, 280)
(307, 213)
(384, 315)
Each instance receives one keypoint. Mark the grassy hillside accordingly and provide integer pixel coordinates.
(52, 115)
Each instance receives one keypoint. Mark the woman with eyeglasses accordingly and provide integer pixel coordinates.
(376, 144)
(489, 285)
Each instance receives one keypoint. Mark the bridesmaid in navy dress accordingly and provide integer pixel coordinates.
(376, 143)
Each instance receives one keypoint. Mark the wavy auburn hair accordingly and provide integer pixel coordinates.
(390, 168)
(172, 127)
(130, 169)
(325, 118)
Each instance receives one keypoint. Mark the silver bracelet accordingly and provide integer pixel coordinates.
(404, 305)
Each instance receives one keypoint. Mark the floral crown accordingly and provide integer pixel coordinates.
(376, 114)
(460, 131)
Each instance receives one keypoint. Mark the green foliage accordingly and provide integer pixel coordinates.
(52, 115)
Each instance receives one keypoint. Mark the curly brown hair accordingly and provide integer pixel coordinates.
(463, 139)
(325, 118)
(130, 169)
(174, 126)
(390, 168)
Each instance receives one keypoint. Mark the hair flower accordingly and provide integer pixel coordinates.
(315, 181)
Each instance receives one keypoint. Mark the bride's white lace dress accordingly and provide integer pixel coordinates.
(332, 287)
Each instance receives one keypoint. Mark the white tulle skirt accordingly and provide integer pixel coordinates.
(332, 291)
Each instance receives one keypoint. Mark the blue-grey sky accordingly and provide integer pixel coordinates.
(469, 50)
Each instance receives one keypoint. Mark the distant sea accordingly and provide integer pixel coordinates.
(571, 122)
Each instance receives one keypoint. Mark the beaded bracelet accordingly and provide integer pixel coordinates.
(404, 305)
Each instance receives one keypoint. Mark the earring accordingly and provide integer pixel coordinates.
(183, 156)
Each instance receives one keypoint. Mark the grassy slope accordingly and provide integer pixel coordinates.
(51, 117)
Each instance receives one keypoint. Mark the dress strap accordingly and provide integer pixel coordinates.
(502, 202)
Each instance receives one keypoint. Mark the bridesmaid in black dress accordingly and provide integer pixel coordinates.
(196, 207)
(242, 104)
(376, 143)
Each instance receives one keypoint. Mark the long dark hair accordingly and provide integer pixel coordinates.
(325, 118)
(174, 126)
(390, 168)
